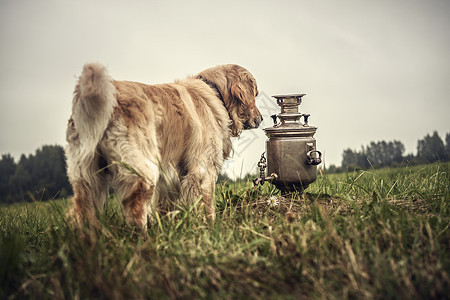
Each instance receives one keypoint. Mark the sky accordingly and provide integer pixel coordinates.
(372, 70)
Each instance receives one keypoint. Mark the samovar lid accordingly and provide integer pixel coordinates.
(288, 96)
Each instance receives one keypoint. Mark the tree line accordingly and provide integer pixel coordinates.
(391, 154)
(42, 176)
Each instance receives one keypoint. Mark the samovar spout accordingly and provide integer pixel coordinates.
(262, 165)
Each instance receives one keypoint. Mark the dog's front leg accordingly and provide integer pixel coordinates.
(201, 184)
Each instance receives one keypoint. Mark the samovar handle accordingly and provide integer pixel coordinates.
(314, 160)
(274, 118)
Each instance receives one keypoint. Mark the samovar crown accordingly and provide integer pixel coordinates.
(289, 103)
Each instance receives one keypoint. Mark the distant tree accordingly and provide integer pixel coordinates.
(333, 169)
(21, 181)
(391, 154)
(410, 159)
(348, 158)
(375, 155)
(7, 170)
(447, 146)
(41, 176)
(396, 152)
(49, 172)
(384, 154)
(431, 148)
(353, 159)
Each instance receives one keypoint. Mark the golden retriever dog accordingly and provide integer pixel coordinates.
(155, 145)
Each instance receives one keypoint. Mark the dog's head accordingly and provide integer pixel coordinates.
(238, 90)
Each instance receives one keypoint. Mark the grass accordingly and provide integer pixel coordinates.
(364, 235)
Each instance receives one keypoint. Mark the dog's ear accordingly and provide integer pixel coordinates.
(236, 86)
(243, 89)
(233, 83)
(216, 78)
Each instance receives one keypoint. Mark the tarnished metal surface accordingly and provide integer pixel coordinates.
(292, 157)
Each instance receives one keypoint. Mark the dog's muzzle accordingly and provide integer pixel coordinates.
(254, 124)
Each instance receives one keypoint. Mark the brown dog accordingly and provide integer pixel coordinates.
(156, 145)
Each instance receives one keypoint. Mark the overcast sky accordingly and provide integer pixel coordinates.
(372, 70)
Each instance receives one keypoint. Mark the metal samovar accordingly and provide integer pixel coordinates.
(292, 157)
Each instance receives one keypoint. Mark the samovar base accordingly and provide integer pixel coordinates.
(290, 188)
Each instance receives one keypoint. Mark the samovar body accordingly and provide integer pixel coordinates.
(292, 157)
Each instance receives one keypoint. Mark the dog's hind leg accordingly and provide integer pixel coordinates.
(134, 181)
(89, 187)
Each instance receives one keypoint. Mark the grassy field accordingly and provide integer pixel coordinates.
(367, 235)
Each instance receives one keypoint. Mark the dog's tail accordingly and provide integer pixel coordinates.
(93, 104)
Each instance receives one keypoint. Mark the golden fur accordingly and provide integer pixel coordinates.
(156, 145)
